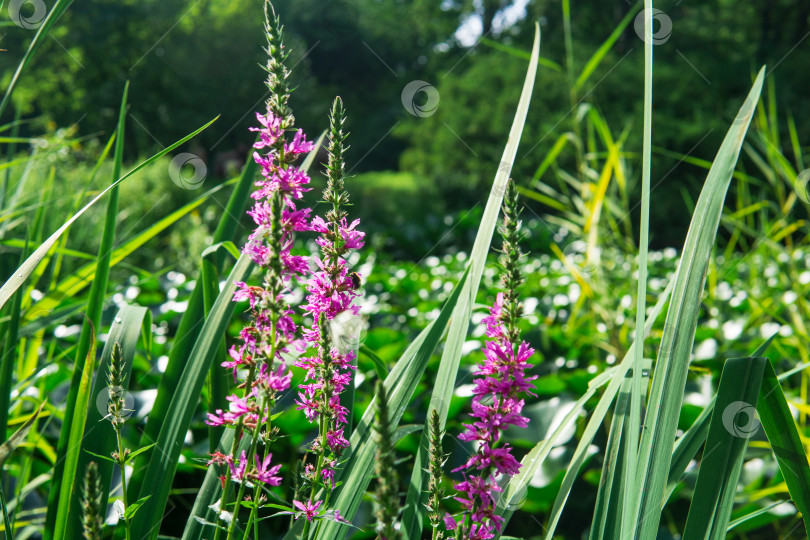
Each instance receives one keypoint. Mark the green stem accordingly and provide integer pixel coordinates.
(226, 489)
(248, 459)
(122, 465)
(318, 467)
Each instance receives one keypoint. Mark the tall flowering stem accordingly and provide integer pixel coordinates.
(436, 473)
(500, 384)
(331, 291)
(259, 358)
(92, 517)
(384, 466)
(116, 407)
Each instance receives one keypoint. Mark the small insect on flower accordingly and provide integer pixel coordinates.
(354, 277)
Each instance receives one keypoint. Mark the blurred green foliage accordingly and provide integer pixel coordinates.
(189, 61)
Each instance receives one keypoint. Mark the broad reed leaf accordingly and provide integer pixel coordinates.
(413, 515)
(669, 377)
(7, 529)
(724, 451)
(786, 442)
(218, 378)
(687, 446)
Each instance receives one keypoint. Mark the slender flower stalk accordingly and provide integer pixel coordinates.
(436, 473)
(116, 407)
(92, 521)
(332, 291)
(500, 385)
(387, 480)
(271, 333)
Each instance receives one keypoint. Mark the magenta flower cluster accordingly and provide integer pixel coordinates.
(331, 292)
(328, 372)
(272, 331)
(500, 384)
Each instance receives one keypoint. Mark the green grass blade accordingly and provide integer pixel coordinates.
(8, 447)
(58, 9)
(520, 53)
(129, 324)
(58, 506)
(637, 392)
(61, 251)
(79, 279)
(724, 451)
(7, 530)
(218, 378)
(9, 354)
(752, 515)
(164, 457)
(777, 420)
(21, 274)
(606, 522)
(400, 386)
(597, 57)
(69, 485)
(669, 378)
(413, 515)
